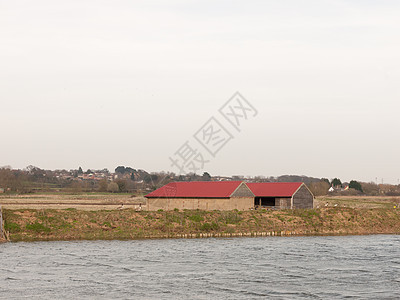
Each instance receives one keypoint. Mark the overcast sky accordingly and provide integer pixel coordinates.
(99, 84)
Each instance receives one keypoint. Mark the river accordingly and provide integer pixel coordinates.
(359, 267)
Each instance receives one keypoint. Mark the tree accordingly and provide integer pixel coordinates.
(152, 178)
(11, 179)
(336, 182)
(76, 186)
(206, 176)
(113, 187)
(326, 180)
(120, 169)
(105, 171)
(370, 189)
(121, 185)
(80, 171)
(355, 185)
(129, 170)
(319, 188)
(103, 184)
(36, 173)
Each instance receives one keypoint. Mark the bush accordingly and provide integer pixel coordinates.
(230, 217)
(355, 185)
(121, 185)
(12, 227)
(209, 227)
(37, 227)
(174, 218)
(305, 213)
(113, 187)
(320, 188)
(196, 218)
(107, 224)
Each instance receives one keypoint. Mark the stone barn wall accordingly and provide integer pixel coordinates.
(239, 203)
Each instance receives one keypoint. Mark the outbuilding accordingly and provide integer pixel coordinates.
(204, 195)
(230, 195)
(282, 195)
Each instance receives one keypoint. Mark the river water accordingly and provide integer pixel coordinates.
(359, 267)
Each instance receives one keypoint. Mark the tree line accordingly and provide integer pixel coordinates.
(129, 180)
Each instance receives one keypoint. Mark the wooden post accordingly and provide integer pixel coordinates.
(2, 230)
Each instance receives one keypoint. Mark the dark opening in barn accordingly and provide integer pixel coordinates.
(264, 201)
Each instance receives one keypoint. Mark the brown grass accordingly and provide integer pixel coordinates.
(357, 201)
(29, 225)
(64, 201)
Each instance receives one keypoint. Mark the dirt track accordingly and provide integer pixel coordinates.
(82, 202)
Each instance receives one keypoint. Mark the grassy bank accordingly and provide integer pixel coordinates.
(71, 224)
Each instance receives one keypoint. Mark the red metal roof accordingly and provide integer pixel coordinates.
(274, 189)
(196, 189)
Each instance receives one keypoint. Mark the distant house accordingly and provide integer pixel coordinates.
(1, 190)
(338, 188)
(229, 195)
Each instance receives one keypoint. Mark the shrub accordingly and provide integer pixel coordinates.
(355, 185)
(229, 230)
(149, 217)
(12, 227)
(209, 227)
(65, 226)
(173, 218)
(37, 227)
(196, 218)
(107, 224)
(280, 218)
(230, 217)
(113, 187)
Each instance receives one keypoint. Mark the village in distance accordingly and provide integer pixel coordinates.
(140, 182)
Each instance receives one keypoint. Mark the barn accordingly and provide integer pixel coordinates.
(204, 195)
(282, 195)
(229, 195)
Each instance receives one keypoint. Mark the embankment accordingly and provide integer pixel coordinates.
(71, 224)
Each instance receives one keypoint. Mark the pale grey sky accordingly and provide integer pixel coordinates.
(105, 83)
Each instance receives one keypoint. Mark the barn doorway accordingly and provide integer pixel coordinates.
(264, 201)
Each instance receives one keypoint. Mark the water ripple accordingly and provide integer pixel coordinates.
(365, 267)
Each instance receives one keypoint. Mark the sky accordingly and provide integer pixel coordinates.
(99, 84)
